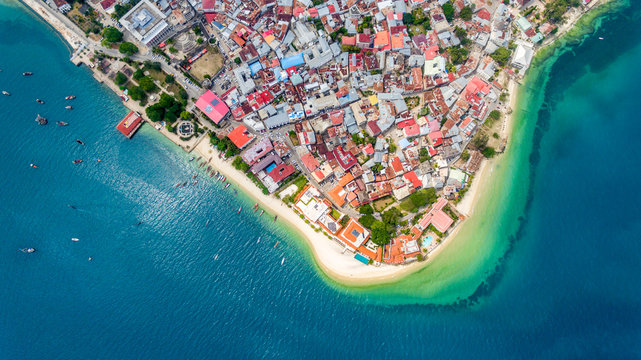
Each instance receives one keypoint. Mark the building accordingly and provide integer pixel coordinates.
(62, 5)
(354, 234)
(130, 124)
(215, 109)
(240, 136)
(146, 23)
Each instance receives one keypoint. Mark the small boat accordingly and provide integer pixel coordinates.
(239, 209)
(257, 241)
(192, 158)
(207, 223)
(75, 239)
(276, 244)
(600, 38)
(28, 250)
(41, 120)
(282, 261)
(61, 123)
(6, 93)
(90, 258)
(79, 142)
(216, 257)
(261, 212)
(185, 183)
(177, 185)
(68, 107)
(77, 161)
(73, 207)
(227, 185)
(33, 166)
(27, 73)
(70, 97)
(235, 192)
(97, 160)
(195, 182)
(211, 174)
(208, 168)
(40, 101)
(275, 217)
(201, 165)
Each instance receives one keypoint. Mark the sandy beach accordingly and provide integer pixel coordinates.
(57, 21)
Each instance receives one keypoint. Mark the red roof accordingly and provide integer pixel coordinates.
(411, 176)
(281, 172)
(208, 4)
(309, 161)
(130, 124)
(396, 165)
(345, 160)
(240, 136)
(106, 4)
(484, 14)
(212, 106)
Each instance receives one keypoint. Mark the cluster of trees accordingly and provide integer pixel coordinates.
(419, 199)
(240, 164)
(423, 155)
(382, 231)
(127, 48)
(480, 143)
(461, 34)
(448, 11)
(224, 145)
(121, 10)
(554, 10)
(167, 109)
(501, 55)
(120, 78)
(365, 138)
(112, 35)
(458, 55)
(492, 117)
(338, 34)
(417, 17)
(145, 86)
(352, 49)
(366, 24)
(466, 13)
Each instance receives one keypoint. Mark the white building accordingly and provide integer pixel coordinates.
(146, 23)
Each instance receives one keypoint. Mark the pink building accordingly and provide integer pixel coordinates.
(212, 106)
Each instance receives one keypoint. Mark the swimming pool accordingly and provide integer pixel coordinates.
(270, 167)
(428, 240)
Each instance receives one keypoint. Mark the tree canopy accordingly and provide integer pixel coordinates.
(501, 55)
(128, 48)
(448, 11)
(111, 34)
(120, 78)
(466, 13)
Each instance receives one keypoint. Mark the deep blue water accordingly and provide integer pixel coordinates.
(569, 288)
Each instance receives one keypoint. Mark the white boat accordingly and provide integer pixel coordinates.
(75, 239)
(282, 261)
(257, 241)
(216, 257)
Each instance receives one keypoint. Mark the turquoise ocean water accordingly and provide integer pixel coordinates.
(176, 288)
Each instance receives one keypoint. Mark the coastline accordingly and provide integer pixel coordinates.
(327, 254)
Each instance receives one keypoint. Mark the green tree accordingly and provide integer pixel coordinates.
(128, 48)
(367, 220)
(448, 11)
(137, 93)
(237, 60)
(466, 13)
(366, 209)
(120, 78)
(423, 155)
(501, 55)
(169, 79)
(458, 55)
(186, 115)
(111, 34)
(379, 235)
(147, 84)
(138, 74)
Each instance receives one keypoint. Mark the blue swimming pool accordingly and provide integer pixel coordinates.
(428, 240)
(270, 167)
